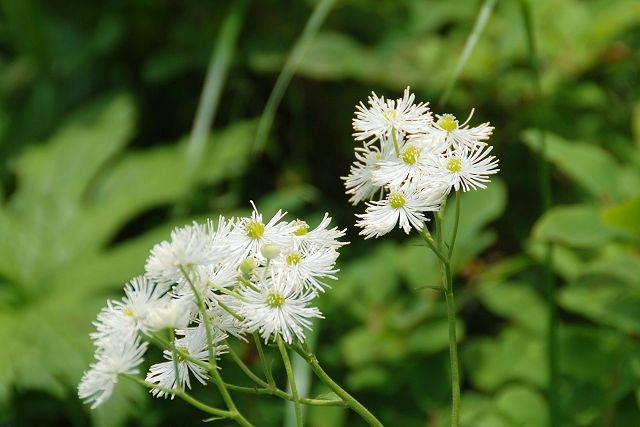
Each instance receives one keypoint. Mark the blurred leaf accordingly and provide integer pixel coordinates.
(606, 303)
(589, 165)
(517, 302)
(625, 215)
(578, 225)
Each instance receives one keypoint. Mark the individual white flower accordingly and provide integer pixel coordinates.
(176, 313)
(304, 268)
(321, 236)
(130, 315)
(278, 309)
(359, 182)
(189, 246)
(250, 233)
(193, 343)
(115, 357)
(458, 135)
(404, 206)
(382, 117)
(467, 168)
(222, 320)
(412, 164)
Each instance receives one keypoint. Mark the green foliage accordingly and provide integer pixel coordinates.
(90, 181)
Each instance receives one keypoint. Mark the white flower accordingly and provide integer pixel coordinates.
(115, 357)
(384, 116)
(250, 233)
(130, 315)
(190, 246)
(359, 182)
(194, 343)
(224, 321)
(176, 313)
(278, 309)
(321, 236)
(447, 128)
(412, 165)
(402, 205)
(467, 168)
(303, 268)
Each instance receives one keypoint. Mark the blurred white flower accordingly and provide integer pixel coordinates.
(194, 344)
(278, 309)
(383, 117)
(404, 206)
(115, 357)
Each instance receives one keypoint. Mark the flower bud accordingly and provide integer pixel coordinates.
(247, 266)
(270, 251)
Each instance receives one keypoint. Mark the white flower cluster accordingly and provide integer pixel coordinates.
(248, 275)
(411, 162)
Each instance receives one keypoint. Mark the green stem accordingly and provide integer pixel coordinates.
(451, 310)
(210, 344)
(395, 141)
(544, 182)
(290, 66)
(481, 22)
(346, 397)
(284, 395)
(456, 221)
(424, 232)
(266, 365)
(248, 372)
(292, 380)
(214, 81)
(184, 396)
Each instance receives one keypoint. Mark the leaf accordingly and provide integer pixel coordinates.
(625, 216)
(576, 225)
(589, 165)
(605, 303)
(517, 302)
(522, 406)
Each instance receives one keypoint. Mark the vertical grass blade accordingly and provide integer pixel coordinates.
(481, 22)
(288, 70)
(544, 183)
(221, 57)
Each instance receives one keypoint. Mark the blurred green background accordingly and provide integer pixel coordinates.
(97, 102)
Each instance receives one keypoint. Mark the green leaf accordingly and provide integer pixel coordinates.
(625, 216)
(577, 225)
(589, 165)
(515, 301)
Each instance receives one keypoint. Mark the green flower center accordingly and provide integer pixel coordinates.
(454, 165)
(128, 311)
(255, 229)
(179, 356)
(390, 115)
(293, 258)
(303, 227)
(448, 122)
(396, 200)
(275, 300)
(410, 155)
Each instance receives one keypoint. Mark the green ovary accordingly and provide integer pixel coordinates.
(396, 200)
(410, 155)
(303, 227)
(454, 165)
(293, 258)
(448, 122)
(275, 300)
(255, 229)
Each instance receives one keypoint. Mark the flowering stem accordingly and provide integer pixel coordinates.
(184, 396)
(266, 366)
(292, 380)
(451, 311)
(282, 394)
(395, 141)
(424, 232)
(247, 283)
(346, 397)
(212, 357)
